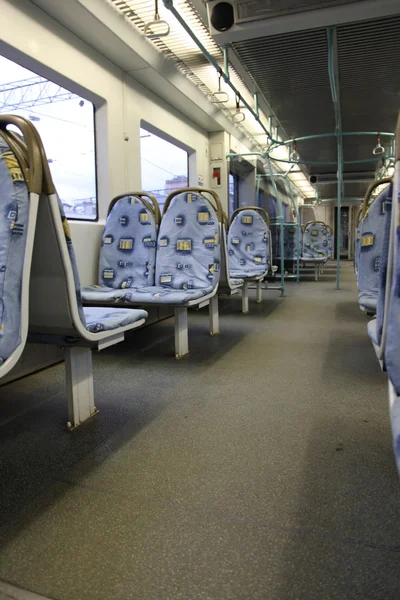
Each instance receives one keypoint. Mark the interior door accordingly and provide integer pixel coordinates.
(344, 231)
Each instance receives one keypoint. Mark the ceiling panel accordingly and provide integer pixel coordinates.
(292, 72)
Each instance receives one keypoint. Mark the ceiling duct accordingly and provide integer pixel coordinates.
(236, 20)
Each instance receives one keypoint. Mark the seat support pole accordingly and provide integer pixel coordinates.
(79, 385)
(214, 315)
(181, 332)
(245, 297)
(316, 271)
(259, 292)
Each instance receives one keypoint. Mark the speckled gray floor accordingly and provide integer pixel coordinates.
(259, 467)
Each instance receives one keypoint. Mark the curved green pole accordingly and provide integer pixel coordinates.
(335, 134)
(289, 183)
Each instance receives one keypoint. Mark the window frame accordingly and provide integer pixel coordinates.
(41, 70)
(190, 152)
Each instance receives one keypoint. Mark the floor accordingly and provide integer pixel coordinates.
(259, 467)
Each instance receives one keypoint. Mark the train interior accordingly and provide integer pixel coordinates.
(199, 300)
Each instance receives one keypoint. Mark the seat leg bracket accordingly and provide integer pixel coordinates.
(79, 386)
(181, 332)
(259, 292)
(214, 315)
(245, 297)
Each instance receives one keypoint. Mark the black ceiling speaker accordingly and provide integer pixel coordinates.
(313, 179)
(222, 17)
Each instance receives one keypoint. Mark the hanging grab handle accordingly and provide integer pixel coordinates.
(149, 31)
(378, 150)
(219, 97)
(238, 116)
(294, 155)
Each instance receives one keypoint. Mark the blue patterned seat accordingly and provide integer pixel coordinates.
(290, 242)
(331, 241)
(376, 325)
(392, 345)
(187, 264)
(248, 246)
(98, 318)
(315, 242)
(372, 233)
(128, 251)
(187, 258)
(14, 220)
(357, 244)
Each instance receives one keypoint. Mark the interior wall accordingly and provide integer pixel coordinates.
(121, 103)
(31, 38)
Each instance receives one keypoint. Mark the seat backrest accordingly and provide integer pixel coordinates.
(331, 241)
(392, 346)
(315, 240)
(188, 246)
(20, 182)
(14, 216)
(292, 238)
(249, 243)
(128, 245)
(383, 264)
(372, 233)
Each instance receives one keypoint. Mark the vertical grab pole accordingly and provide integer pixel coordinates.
(339, 205)
(258, 182)
(289, 184)
(333, 71)
(281, 226)
(226, 61)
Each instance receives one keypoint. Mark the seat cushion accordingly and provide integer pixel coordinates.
(105, 319)
(102, 293)
(14, 216)
(313, 259)
(242, 275)
(372, 331)
(236, 281)
(128, 245)
(368, 301)
(158, 294)
(248, 245)
(145, 295)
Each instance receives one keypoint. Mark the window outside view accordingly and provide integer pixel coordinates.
(164, 166)
(65, 123)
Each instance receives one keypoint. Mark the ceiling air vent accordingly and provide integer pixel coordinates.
(237, 20)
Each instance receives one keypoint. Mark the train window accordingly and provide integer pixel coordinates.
(164, 166)
(65, 122)
(233, 190)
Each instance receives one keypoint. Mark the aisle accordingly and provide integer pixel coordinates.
(260, 467)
